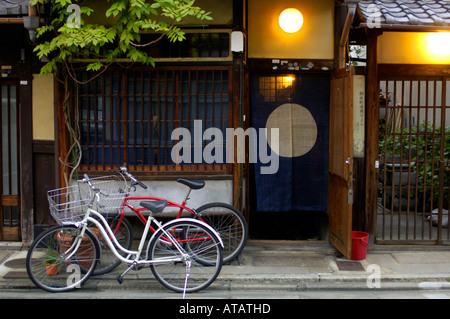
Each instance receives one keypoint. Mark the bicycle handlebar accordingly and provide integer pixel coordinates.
(124, 170)
(97, 190)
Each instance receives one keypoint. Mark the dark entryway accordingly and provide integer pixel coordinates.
(292, 225)
(291, 203)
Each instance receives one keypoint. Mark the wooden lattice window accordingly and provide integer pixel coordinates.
(128, 116)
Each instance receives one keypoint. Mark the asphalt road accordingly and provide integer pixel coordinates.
(220, 296)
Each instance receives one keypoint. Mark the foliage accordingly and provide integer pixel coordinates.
(65, 40)
(421, 145)
(51, 257)
(68, 39)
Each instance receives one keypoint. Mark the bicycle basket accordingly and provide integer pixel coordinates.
(116, 189)
(67, 205)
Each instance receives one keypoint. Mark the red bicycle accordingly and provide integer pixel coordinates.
(224, 218)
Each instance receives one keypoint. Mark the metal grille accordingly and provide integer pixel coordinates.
(414, 179)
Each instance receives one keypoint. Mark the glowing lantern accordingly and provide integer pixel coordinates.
(290, 20)
(439, 42)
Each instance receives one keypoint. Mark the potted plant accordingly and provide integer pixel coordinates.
(421, 165)
(84, 252)
(50, 261)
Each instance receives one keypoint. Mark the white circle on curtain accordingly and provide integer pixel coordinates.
(297, 129)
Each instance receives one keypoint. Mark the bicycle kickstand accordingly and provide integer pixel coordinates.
(120, 278)
(188, 271)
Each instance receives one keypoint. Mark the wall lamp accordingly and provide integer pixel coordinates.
(439, 42)
(290, 20)
(31, 23)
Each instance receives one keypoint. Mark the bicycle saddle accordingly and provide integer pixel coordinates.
(191, 184)
(155, 206)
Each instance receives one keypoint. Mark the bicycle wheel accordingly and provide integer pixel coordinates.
(200, 260)
(229, 223)
(51, 265)
(123, 232)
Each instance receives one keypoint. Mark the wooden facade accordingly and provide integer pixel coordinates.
(225, 77)
(177, 86)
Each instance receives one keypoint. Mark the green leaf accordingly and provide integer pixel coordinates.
(48, 68)
(95, 66)
(63, 2)
(115, 9)
(110, 42)
(86, 10)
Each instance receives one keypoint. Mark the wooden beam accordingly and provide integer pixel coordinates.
(351, 10)
(421, 70)
(61, 129)
(372, 128)
(238, 104)
(236, 108)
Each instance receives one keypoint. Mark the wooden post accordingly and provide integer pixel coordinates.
(239, 104)
(372, 128)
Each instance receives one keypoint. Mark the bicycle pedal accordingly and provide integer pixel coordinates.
(120, 279)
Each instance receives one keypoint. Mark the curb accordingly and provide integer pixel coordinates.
(308, 282)
(400, 272)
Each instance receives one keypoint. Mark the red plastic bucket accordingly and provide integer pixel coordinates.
(359, 245)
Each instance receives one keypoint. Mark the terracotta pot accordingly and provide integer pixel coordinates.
(84, 252)
(51, 269)
(96, 232)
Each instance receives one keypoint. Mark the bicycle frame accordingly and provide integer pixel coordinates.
(107, 233)
(147, 222)
(138, 211)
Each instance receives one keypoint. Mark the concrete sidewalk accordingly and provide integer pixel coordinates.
(280, 265)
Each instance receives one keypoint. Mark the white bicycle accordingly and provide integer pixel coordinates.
(185, 255)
